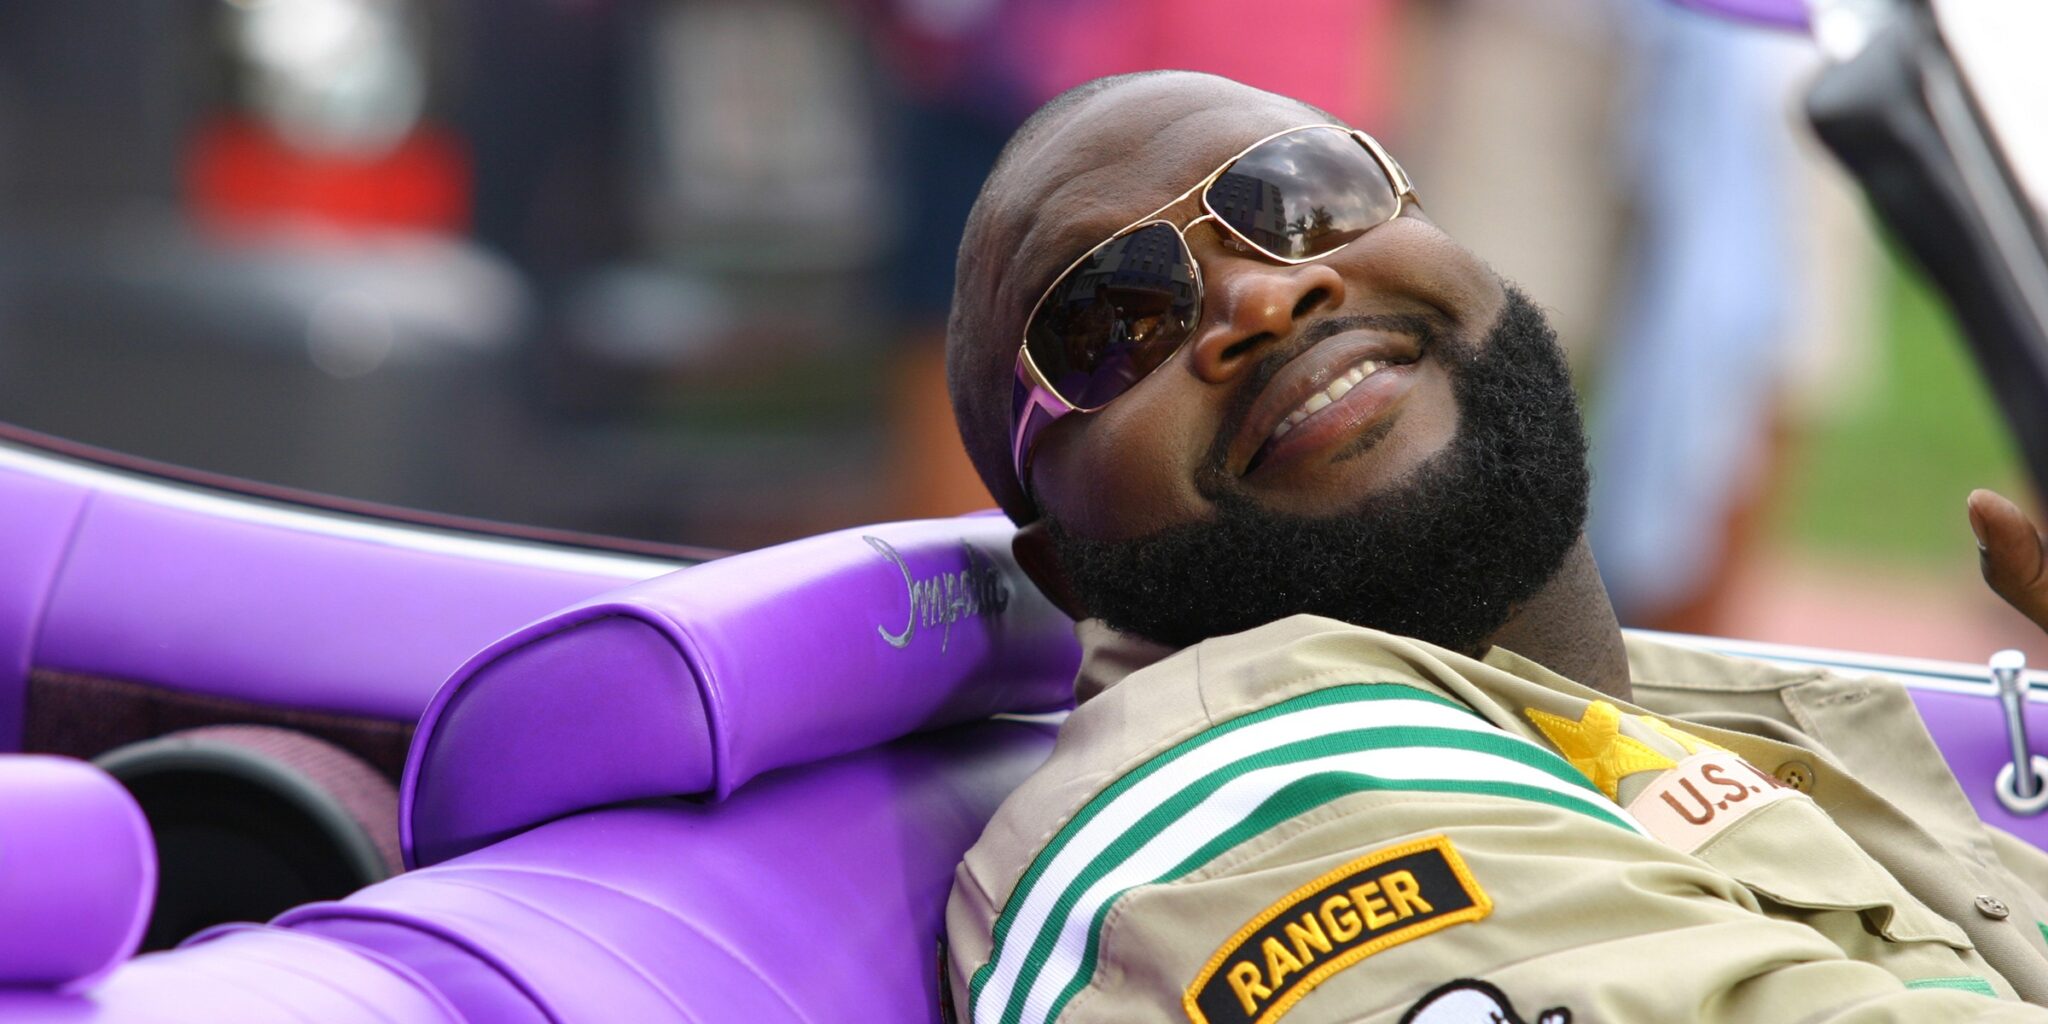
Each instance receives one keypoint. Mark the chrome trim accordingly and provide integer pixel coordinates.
(1918, 673)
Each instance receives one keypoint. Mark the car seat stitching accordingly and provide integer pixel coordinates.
(716, 940)
(411, 921)
(668, 995)
(285, 965)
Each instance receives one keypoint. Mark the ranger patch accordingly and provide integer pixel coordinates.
(1374, 903)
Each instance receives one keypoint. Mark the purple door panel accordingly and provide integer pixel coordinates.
(232, 609)
(123, 577)
(36, 521)
(1971, 734)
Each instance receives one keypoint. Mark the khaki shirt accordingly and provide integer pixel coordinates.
(1316, 822)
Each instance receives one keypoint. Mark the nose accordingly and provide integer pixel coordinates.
(1249, 304)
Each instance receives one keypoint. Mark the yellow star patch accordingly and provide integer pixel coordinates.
(1692, 744)
(1595, 746)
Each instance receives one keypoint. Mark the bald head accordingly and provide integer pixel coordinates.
(1088, 163)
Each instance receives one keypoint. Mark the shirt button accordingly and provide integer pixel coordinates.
(1796, 774)
(1992, 907)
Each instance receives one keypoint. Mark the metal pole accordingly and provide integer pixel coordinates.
(2009, 671)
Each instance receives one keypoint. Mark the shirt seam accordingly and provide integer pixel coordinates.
(1723, 686)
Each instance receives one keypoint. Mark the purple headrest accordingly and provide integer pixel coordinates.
(695, 682)
(77, 872)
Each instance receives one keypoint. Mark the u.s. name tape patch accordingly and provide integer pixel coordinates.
(1371, 904)
(1701, 797)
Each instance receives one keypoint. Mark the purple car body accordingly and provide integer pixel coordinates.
(731, 791)
(805, 877)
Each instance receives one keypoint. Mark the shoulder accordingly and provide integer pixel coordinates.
(1222, 793)
(1301, 653)
(1202, 694)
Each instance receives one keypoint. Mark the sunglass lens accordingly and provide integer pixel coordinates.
(1303, 194)
(1115, 316)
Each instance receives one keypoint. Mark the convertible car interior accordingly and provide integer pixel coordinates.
(637, 790)
(266, 759)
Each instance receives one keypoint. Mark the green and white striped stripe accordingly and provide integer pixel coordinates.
(1178, 811)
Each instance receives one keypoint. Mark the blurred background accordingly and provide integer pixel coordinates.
(677, 270)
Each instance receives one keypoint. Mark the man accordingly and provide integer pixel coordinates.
(1403, 765)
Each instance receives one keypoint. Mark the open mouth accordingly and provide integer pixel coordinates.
(1331, 392)
(1338, 389)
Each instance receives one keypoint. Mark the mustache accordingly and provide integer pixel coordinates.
(1213, 479)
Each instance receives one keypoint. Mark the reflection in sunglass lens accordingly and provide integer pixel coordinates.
(1115, 316)
(1304, 194)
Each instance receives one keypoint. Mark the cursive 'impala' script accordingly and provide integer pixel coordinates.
(944, 598)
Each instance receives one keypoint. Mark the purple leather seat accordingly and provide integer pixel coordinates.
(77, 873)
(254, 974)
(804, 882)
(695, 682)
(813, 894)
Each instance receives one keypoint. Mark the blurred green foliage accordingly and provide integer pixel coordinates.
(1883, 480)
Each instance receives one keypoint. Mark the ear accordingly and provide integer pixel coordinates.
(1032, 547)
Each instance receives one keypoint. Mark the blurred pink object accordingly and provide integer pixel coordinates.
(1013, 55)
(1337, 54)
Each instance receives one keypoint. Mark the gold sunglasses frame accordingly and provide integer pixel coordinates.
(1037, 404)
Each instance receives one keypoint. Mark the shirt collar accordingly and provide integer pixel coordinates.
(1107, 656)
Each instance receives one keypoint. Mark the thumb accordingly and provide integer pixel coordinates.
(2010, 554)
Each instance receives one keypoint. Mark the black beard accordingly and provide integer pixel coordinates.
(1444, 557)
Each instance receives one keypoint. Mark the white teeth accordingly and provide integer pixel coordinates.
(1314, 404)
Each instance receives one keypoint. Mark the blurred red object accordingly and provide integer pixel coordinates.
(240, 174)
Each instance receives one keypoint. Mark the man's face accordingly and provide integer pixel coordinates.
(1200, 425)
(1229, 453)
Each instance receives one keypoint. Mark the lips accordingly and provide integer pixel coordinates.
(1338, 389)
(1330, 391)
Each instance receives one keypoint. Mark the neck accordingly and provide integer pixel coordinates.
(1569, 628)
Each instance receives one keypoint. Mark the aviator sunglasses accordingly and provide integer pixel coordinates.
(1128, 304)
